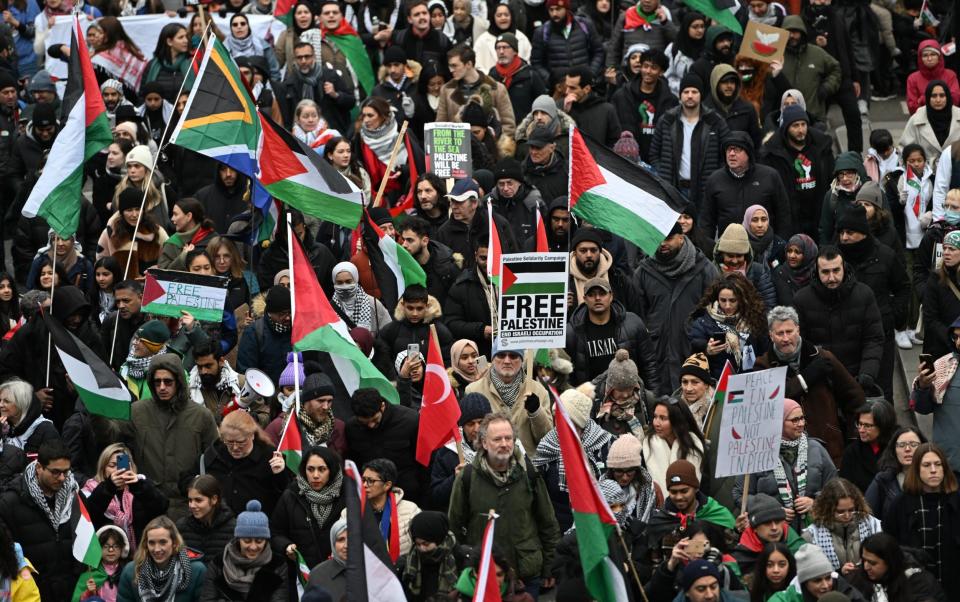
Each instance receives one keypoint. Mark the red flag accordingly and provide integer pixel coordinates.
(542, 245)
(493, 251)
(439, 410)
(487, 590)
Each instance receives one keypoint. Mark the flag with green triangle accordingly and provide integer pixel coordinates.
(291, 445)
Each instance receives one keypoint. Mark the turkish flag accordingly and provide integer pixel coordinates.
(439, 410)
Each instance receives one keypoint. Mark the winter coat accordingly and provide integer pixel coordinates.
(631, 334)
(664, 305)
(292, 522)
(467, 312)
(703, 325)
(820, 470)
(25, 158)
(275, 259)
(484, 45)
(551, 179)
(127, 590)
(941, 306)
(263, 348)
(657, 35)
(553, 53)
(395, 336)
(642, 123)
(336, 111)
(529, 531)
(926, 258)
(837, 201)
(597, 118)
(441, 271)
(811, 70)
(166, 438)
(395, 438)
(33, 233)
(249, 478)
(12, 462)
(148, 503)
(393, 94)
(331, 576)
(222, 204)
(705, 147)
(530, 428)
(43, 432)
(918, 81)
(210, 539)
(859, 466)
(918, 131)
(432, 47)
(830, 407)
(51, 550)
(726, 196)
(740, 115)
(878, 266)
(840, 585)
(525, 86)
(173, 255)
(269, 585)
(902, 521)
(125, 331)
(784, 284)
(493, 94)
(118, 245)
(459, 236)
(520, 211)
(883, 489)
(805, 204)
(750, 546)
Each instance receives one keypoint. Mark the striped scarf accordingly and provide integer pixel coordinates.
(799, 472)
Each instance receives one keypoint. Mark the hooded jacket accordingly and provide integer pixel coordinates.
(703, 65)
(740, 115)
(837, 201)
(395, 336)
(726, 196)
(810, 69)
(918, 81)
(222, 204)
(640, 117)
(597, 118)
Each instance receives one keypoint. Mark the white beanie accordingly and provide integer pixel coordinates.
(578, 406)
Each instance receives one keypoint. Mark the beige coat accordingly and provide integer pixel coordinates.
(918, 131)
(531, 428)
(493, 94)
(405, 513)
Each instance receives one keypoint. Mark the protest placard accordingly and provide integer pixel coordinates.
(751, 423)
(446, 148)
(764, 43)
(169, 293)
(533, 300)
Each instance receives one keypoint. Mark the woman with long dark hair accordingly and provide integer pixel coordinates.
(775, 569)
(118, 55)
(876, 422)
(729, 324)
(927, 515)
(17, 581)
(304, 18)
(194, 232)
(171, 60)
(886, 572)
(338, 152)
(209, 526)
(673, 435)
(841, 520)
(897, 457)
(9, 304)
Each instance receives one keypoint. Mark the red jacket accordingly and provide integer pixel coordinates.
(918, 81)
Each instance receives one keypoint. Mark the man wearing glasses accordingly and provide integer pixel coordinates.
(43, 496)
(168, 431)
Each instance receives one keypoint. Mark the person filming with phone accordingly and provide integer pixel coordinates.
(934, 393)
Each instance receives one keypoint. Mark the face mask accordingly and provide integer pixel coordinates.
(952, 217)
(286, 402)
(746, 76)
(344, 287)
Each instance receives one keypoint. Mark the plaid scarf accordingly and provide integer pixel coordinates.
(593, 439)
(161, 585)
(508, 393)
(641, 496)
(447, 573)
(228, 380)
(799, 472)
(136, 367)
(317, 433)
(63, 505)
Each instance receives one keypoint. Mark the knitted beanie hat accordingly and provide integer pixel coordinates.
(682, 472)
(140, 154)
(698, 569)
(315, 386)
(697, 365)
(578, 406)
(278, 299)
(288, 378)
(473, 406)
(625, 452)
(622, 372)
(811, 563)
(734, 240)
(854, 219)
(761, 508)
(252, 523)
(153, 334)
(430, 525)
(626, 146)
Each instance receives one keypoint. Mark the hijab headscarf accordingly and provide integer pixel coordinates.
(456, 350)
(801, 275)
(336, 529)
(939, 120)
(758, 244)
(684, 43)
(796, 95)
(352, 299)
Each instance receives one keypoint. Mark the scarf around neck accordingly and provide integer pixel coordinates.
(162, 585)
(248, 46)
(593, 440)
(240, 571)
(442, 556)
(356, 303)
(317, 433)
(823, 537)
(507, 72)
(63, 506)
(321, 502)
(787, 496)
(136, 367)
(508, 393)
(229, 380)
(678, 264)
(381, 140)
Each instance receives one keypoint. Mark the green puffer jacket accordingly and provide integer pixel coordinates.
(526, 530)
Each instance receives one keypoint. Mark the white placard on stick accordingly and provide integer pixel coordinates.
(751, 423)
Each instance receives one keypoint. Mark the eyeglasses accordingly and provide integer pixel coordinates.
(57, 472)
(163, 382)
(112, 546)
(797, 420)
(908, 444)
(508, 355)
(865, 425)
(369, 481)
(240, 443)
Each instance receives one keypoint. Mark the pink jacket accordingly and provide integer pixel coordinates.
(918, 81)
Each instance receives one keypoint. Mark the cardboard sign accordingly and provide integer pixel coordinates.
(764, 43)
(170, 293)
(446, 147)
(751, 423)
(533, 301)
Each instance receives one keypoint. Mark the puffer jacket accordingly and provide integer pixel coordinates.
(554, 53)
(269, 585)
(726, 197)
(528, 532)
(631, 334)
(210, 539)
(811, 70)
(657, 35)
(395, 336)
(845, 321)
(292, 522)
(918, 81)
(740, 115)
(706, 148)
(837, 201)
(51, 550)
(877, 265)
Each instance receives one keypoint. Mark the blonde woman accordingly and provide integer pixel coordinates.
(161, 569)
(118, 495)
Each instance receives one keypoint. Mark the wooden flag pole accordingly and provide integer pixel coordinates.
(746, 493)
(378, 200)
(53, 283)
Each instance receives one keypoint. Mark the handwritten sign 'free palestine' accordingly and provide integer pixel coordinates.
(751, 423)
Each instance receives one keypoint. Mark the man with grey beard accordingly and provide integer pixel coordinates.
(502, 477)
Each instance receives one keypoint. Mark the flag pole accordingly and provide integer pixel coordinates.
(143, 201)
(53, 283)
(293, 312)
(746, 493)
(631, 568)
(378, 200)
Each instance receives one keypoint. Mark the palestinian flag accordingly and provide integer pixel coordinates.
(914, 188)
(86, 544)
(487, 590)
(346, 38)
(620, 197)
(317, 327)
(294, 173)
(401, 265)
(99, 387)
(291, 445)
(542, 245)
(84, 132)
(493, 250)
(592, 517)
(533, 278)
(283, 11)
(723, 486)
(721, 11)
(303, 575)
(370, 572)
(170, 293)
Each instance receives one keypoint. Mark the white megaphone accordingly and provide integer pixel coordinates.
(257, 382)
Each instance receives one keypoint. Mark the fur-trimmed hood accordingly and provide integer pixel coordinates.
(433, 310)
(413, 72)
(485, 91)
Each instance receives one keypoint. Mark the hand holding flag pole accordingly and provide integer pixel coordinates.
(378, 200)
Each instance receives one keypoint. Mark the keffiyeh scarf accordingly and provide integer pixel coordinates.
(356, 303)
(321, 502)
(593, 439)
(823, 537)
(136, 367)
(63, 505)
(799, 471)
(228, 380)
(508, 393)
(161, 585)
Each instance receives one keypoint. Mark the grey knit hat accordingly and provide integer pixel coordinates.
(811, 563)
(761, 508)
(253, 523)
(622, 372)
(546, 104)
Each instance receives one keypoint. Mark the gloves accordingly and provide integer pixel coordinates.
(817, 372)
(408, 107)
(867, 383)
(531, 403)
